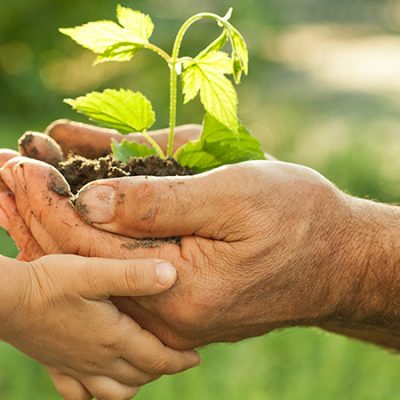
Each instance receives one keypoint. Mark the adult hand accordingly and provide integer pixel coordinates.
(245, 256)
(252, 257)
(62, 138)
(57, 310)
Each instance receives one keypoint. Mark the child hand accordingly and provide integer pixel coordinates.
(57, 310)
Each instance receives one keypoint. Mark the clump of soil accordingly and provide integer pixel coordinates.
(78, 171)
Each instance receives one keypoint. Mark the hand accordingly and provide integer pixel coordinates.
(256, 258)
(64, 137)
(57, 311)
(245, 240)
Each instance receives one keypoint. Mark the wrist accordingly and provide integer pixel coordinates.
(367, 268)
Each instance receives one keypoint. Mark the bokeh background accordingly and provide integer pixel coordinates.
(323, 90)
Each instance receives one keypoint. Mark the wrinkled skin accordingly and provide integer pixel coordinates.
(248, 262)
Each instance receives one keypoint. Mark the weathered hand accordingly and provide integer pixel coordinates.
(91, 141)
(265, 245)
(64, 137)
(250, 258)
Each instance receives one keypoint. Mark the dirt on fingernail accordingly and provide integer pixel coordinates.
(57, 185)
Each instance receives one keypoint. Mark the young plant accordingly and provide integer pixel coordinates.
(224, 140)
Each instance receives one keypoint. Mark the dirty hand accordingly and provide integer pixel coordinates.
(57, 310)
(264, 245)
(251, 258)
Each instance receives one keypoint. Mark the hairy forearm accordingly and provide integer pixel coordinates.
(370, 308)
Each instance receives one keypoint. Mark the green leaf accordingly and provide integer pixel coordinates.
(118, 52)
(137, 23)
(125, 150)
(206, 74)
(219, 146)
(122, 109)
(101, 35)
(240, 54)
(113, 42)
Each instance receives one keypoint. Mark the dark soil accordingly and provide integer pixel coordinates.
(78, 171)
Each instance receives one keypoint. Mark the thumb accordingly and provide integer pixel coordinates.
(108, 277)
(157, 207)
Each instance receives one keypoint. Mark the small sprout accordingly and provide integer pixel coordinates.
(224, 139)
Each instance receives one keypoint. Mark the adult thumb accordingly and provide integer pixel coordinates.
(109, 277)
(149, 207)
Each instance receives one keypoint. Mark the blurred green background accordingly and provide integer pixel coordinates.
(323, 90)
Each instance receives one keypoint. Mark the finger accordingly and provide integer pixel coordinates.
(24, 229)
(104, 388)
(92, 142)
(46, 209)
(106, 277)
(7, 154)
(128, 374)
(160, 360)
(163, 207)
(68, 387)
(40, 147)
(17, 229)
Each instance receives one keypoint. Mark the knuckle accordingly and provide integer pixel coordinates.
(134, 277)
(114, 344)
(146, 196)
(159, 366)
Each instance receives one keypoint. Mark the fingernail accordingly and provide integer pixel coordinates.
(8, 178)
(96, 204)
(166, 273)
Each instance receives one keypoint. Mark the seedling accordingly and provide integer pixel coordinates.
(224, 140)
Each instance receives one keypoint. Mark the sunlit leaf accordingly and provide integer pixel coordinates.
(137, 23)
(218, 146)
(240, 55)
(125, 150)
(206, 75)
(122, 109)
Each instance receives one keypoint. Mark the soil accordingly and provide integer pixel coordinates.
(78, 171)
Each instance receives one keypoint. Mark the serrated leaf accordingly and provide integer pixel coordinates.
(122, 109)
(206, 75)
(136, 22)
(101, 35)
(240, 55)
(125, 150)
(219, 146)
(113, 42)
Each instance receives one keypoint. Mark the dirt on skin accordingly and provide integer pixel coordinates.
(78, 171)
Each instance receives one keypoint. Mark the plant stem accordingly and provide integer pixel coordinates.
(154, 144)
(158, 51)
(167, 58)
(173, 63)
